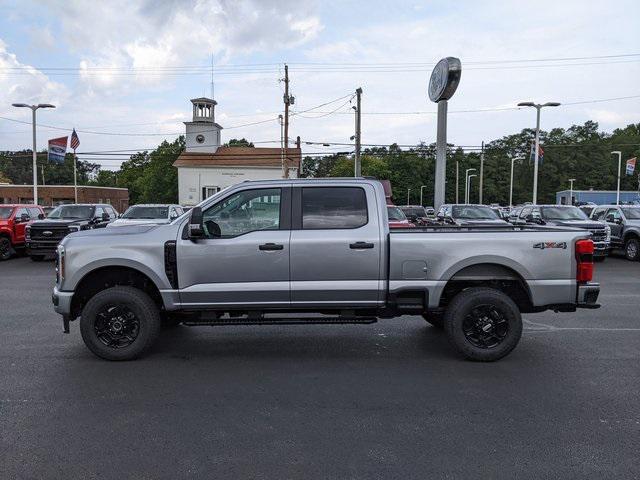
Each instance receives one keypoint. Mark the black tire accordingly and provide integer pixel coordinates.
(435, 319)
(483, 324)
(117, 304)
(632, 249)
(6, 249)
(37, 258)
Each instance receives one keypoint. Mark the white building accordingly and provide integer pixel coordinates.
(205, 167)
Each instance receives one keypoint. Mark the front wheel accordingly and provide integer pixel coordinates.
(6, 250)
(483, 324)
(120, 323)
(632, 249)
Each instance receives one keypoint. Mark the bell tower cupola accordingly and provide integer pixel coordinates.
(202, 132)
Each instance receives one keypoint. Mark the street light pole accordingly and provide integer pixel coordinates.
(34, 152)
(538, 107)
(466, 184)
(481, 173)
(511, 184)
(457, 188)
(469, 186)
(408, 193)
(571, 180)
(619, 165)
(421, 188)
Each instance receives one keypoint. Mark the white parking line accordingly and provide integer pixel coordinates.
(543, 327)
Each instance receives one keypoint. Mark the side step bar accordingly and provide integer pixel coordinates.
(282, 321)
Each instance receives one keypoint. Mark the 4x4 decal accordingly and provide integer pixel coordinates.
(543, 245)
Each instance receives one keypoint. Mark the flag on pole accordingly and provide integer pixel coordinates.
(57, 149)
(631, 165)
(75, 141)
(540, 153)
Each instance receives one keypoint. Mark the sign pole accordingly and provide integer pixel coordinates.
(441, 155)
(442, 85)
(75, 177)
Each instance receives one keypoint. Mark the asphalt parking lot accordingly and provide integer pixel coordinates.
(389, 400)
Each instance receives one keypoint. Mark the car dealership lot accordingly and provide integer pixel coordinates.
(346, 401)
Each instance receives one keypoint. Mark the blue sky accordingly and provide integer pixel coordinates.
(129, 68)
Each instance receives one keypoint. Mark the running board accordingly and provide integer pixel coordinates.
(283, 321)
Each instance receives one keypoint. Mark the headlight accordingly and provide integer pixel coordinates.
(607, 231)
(27, 232)
(60, 264)
(74, 228)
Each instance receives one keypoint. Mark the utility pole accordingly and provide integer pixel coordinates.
(457, 176)
(481, 172)
(357, 163)
(284, 166)
(287, 100)
(571, 180)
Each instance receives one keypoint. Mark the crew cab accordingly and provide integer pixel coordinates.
(44, 235)
(14, 219)
(469, 215)
(624, 223)
(316, 251)
(569, 216)
(148, 214)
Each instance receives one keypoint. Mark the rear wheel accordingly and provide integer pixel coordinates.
(632, 249)
(483, 324)
(120, 323)
(6, 250)
(37, 258)
(436, 319)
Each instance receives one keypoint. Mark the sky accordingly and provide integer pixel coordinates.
(122, 71)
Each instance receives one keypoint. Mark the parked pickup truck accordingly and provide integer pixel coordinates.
(623, 222)
(43, 236)
(316, 251)
(14, 219)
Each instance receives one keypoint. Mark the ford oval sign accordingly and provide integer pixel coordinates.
(445, 79)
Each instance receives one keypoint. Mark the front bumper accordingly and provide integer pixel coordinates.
(41, 248)
(62, 302)
(600, 249)
(588, 295)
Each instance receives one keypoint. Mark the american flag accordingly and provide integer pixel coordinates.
(75, 141)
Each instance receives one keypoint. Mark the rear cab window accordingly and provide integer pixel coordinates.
(329, 208)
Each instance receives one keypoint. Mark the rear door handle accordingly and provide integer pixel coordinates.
(270, 246)
(361, 245)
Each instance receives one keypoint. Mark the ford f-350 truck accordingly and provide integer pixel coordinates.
(316, 251)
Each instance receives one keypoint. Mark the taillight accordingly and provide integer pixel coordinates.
(584, 256)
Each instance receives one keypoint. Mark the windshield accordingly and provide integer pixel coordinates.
(562, 213)
(5, 212)
(146, 212)
(418, 212)
(630, 213)
(395, 214)
(474, 212)
(72, 212)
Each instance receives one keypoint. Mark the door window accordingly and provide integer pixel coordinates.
(244, 212)
(613, 214)
(525, 211)
(598, 213)
(20, 212)
(333, 208)
(34, 212)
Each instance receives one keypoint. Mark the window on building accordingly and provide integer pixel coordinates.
(333, 207)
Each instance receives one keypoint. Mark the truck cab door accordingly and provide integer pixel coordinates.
(19, 225)
(243, 259)
(613, 218)
(336, 246)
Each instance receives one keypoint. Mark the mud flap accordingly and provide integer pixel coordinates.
(65, 323)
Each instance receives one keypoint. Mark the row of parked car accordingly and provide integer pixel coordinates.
(613, 227)
(36, 231)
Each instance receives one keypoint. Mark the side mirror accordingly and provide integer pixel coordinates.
(41, 216)
(24, 218)
(196, 228)
(618, 221)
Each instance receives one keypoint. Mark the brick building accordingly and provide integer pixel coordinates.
(52, 195)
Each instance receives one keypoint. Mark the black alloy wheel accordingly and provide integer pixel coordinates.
(117, 326)
(485, 327)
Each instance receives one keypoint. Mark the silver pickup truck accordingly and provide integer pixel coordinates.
(315, 251)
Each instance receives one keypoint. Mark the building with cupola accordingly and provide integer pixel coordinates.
(206, 166)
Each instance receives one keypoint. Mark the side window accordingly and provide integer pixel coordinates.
(112, 213)
(615, 213)
(22, 211)
(525, 211)
(98, 212)
(34, 212)
(333, 207)
(535, 212)
(244, 212)
(598, 213)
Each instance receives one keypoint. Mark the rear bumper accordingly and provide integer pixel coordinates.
(588, 295)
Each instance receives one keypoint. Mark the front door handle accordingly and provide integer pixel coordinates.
(270, 246)
(361, 245)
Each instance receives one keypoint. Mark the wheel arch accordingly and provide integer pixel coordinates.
(104, 277)
(490, 274)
